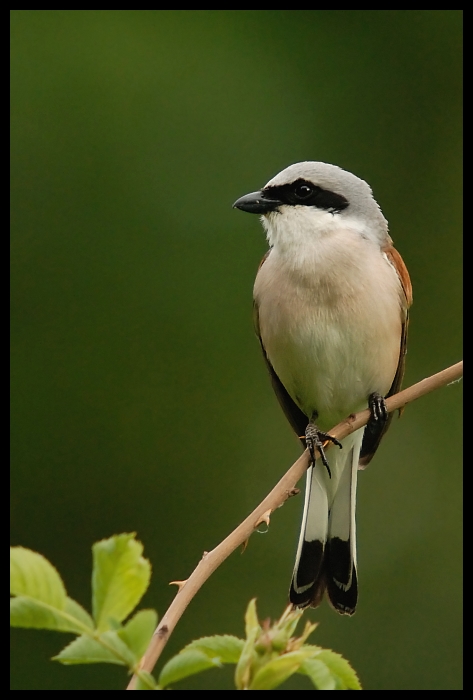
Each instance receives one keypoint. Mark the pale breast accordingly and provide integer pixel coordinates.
(331, 327)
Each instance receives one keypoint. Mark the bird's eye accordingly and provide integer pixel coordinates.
(303, 191)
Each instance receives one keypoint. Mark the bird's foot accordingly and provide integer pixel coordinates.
(316, 439)
(379, 412)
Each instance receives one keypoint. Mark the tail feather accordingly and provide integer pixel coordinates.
(308, 578)
(342, 596)
(326, 554)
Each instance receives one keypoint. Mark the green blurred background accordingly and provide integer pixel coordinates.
(140, 401)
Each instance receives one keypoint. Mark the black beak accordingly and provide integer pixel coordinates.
(257, 203)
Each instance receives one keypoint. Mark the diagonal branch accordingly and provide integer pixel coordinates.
(283, 489)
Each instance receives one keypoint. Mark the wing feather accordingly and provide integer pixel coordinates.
(297, 419)
(371, 440)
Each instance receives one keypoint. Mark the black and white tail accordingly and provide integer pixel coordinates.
(326, 554)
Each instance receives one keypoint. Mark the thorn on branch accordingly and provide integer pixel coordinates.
(264, 518)
(179, 584)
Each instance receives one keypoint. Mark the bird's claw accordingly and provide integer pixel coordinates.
(316, 439)
(378, 410)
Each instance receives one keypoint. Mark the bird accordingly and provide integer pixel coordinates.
(331, 304)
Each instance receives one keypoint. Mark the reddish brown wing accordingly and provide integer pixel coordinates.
(293, 413)
(371, 440)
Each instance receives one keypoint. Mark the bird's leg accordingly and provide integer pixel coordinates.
(316, 439)
(379, 413)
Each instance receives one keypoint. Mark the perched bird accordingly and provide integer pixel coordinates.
(331, 300)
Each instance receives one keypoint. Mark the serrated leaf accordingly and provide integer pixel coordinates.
(120, 577)
(41, 600)
(107, 648)
(77, 612)
(34, 576)
(27, 612)
(225, 647)
(276, 671)
(145, 681)
(344, 674)
(319, 674)
(138, 631)
(185, 664)
(30, 613)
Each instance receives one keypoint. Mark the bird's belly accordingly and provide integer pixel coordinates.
(330, 360)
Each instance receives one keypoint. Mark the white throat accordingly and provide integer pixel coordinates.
(303, 235)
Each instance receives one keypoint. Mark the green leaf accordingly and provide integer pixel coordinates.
(27, 612)
(138, 631)
(41, 600)
(248, 654)
(225, 647)
(119, 579)
(33, 575)
(345, 676)
(278, 670)
(145, 681)
(77, 612)
(185, 664)
(107, 648)
(251, 619)
(319, 674)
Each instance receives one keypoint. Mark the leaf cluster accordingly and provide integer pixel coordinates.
(264, 660)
